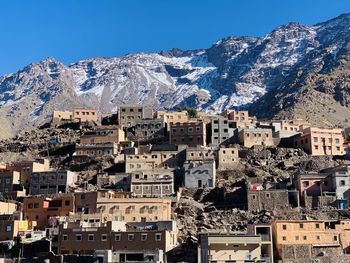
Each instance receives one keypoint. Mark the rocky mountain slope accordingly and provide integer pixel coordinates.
(296, 70)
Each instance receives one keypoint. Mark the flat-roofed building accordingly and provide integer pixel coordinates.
(327, 235)
(255, 137)
(122, 208)
(200, 153)
(97, 149)
(51, 182)
(188, 133)
(152, 183)
(171, 117)
(147, 129)
(228, 158)
(7, 207)
(130, 240)
(85, 114)
(200, 174)
(321, 141)
(58, 116)
(103, 134)
(44, 208)
(129, 114)
(255, 245)
(221, 130)
(10, 228)
(10, 184)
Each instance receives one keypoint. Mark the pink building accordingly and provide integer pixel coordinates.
(320, 141)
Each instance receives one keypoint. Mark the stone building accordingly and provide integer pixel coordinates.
(200, 153)
(254, 137)
(129, 114)
(84, 114)
(221, 130)
(147, 130)
(228, 158)
(103, 134)
(198, 174)
(189, 133)
(58, 116)
(130, 241)
(97, 149)
(122, 208)
(292, 234)
(255, 245)
(320, 141)
(44, 208)
(171, 117)
(152, 183)
(10, 184)
(51, 182)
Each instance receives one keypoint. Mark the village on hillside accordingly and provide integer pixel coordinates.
(175, 186)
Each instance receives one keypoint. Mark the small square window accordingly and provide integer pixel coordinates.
(64, 237)
(117, 237)
(78, 237)
(284, 227)
(143, 237)
(91, 237)
(158, 237)
(130, 237)
(104, 237)
(301, 225)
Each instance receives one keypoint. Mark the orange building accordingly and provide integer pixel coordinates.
(43, 208)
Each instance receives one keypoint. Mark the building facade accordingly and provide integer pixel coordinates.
(198, 174)
(254, 137)
(129, 114)
(83, 115)
(189, 133)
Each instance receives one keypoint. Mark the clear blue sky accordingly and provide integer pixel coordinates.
(69, 30)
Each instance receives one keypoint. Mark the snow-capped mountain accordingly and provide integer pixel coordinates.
(233, 72)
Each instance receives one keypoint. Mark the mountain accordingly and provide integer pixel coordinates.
(294, 71)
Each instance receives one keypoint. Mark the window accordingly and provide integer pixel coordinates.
(337, 140)
(117, 237)
(305, 183)
(158, 237)
(318, 237)
(304, 237)
(30, 205)
(335, 238)
(254, 196)
(338, 148)
(67, 203)
(317, 225)
(104, 237)
(316, 147)
(296, 237)
(284, 227)
(143, 237)
(284, 238)
(91, 237)
(78, 237)
(301, 225)
(36, 205)
(267, 195)
(65, 237)
(341, 182)
(130, 237)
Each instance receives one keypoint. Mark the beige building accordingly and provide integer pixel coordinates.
(152, 183)
(62, 116)
(254, 137)
(326, 234)
(320, 141)
(84, 114)
(122, 208)
(26, 168)
(228, 158)
(7, 208)
(129, 114)
(97, 149)
(103, 134)
(10, 184)
(171, 116)
(255, 245)
(200, 153)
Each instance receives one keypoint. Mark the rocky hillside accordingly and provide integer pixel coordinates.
(296, 70)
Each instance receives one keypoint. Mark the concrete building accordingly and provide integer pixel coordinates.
(189, 133)
(152, 183)
(44, 208)
(103, 134)
(97, 149)
(10, 184)
(128, 242)
(320, 141)
(254, 137)
(58, 116)
(240, 119)
(129, 114)
(26, 168)
(10, 228)
(221, 130)
(292, 235)
(51, 182)
(7, 207)
(84, 114)
(147, 130)
(255, 245)
(228, 158)
(154, 160)
(122, 208)
(171, 117)
(200, 174)
(200, 153)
